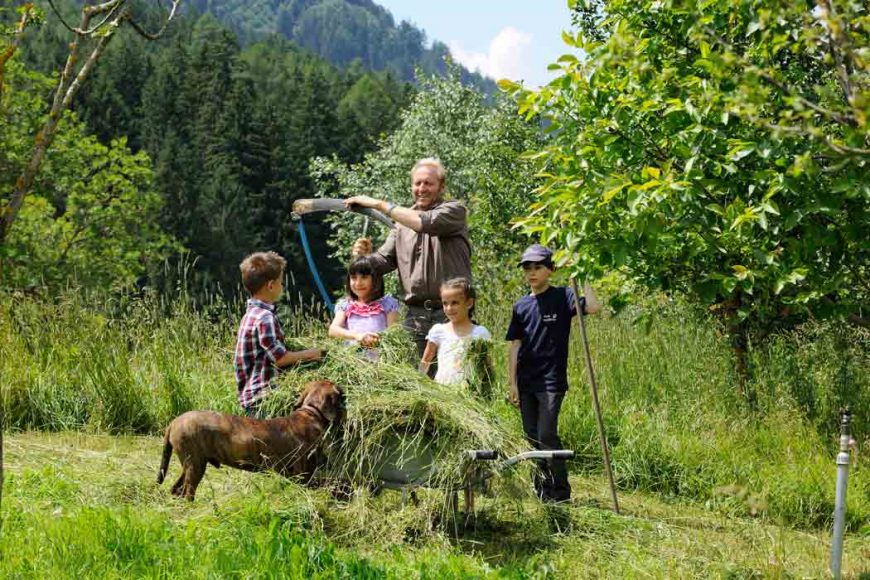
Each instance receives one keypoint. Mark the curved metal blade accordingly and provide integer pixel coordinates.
(306, 206)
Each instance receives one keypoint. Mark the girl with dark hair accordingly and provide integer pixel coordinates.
(450, 341)
(365, 311)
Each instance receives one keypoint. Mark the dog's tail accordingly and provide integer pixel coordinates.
(167, 455)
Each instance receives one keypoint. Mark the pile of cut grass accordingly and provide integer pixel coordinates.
(399, 419)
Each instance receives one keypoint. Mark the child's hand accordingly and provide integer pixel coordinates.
(514, 396)
(369, 339)
(361, 247)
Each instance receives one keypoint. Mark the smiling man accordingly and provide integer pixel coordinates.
(428, 245)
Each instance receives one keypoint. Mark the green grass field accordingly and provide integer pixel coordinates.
(83, 505)
(709, 486)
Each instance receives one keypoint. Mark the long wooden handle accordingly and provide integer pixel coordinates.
(593, 385)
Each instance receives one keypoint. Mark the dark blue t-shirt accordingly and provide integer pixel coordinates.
(543, 323)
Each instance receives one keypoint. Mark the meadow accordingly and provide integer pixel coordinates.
(709, 485)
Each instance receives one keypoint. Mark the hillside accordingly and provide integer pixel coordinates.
(341, 31)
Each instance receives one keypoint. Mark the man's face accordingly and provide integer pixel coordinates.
(426, 187)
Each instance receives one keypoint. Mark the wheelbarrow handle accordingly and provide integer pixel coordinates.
(550, 454)
(482, 454)
(563, 454)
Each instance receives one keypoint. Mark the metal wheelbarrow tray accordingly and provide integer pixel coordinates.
(405, 468)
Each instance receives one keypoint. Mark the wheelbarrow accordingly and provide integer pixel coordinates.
(407, 468)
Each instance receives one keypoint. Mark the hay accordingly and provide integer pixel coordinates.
(399, 422)
(480, 376)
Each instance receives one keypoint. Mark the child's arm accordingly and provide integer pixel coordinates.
(428, 356)
(269, 341)
(592, 304)
(392, 318)
(514, 396)
(293, 357)
(337, 330)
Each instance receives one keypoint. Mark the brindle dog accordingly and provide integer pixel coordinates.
(288, 445)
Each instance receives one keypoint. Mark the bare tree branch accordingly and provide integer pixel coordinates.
(60, 17)
(89, 64)
(118, 4)
(155, 35)
(838, 45)
(112, 6)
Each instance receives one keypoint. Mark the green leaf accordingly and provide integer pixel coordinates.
(611, 193)
(508, 85)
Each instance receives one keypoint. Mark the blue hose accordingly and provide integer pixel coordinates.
(313, 267)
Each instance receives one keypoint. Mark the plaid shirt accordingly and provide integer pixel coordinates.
(259, 344)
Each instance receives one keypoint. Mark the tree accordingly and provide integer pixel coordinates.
(27, 15)
(481, 148)
(91, 215)
(367, 112)
(113, 14)
(718, 150)
(98, 25)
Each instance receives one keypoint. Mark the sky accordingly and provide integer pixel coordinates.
(514, 39)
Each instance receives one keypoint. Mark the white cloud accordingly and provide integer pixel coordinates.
(508, 55)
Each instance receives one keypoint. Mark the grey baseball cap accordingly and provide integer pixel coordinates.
(536, 253)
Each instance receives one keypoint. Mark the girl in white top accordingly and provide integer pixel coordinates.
(449, 341)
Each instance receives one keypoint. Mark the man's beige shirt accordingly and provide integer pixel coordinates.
(424, 260)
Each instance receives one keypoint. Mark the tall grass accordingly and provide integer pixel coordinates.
(674, 419)
(127, 365)
(677, 425)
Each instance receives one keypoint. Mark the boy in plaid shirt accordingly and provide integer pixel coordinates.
(260, 349)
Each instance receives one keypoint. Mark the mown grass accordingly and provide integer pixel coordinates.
(86, 506)
(676, 425)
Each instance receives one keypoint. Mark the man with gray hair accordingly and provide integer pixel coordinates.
(428, 245)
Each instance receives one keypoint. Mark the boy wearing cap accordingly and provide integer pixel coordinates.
(538, 364)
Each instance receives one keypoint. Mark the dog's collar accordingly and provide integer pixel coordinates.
(317, 412)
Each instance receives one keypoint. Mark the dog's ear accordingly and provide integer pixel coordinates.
(338, 404)
(327, 397)
(302, 396)
(330, 405)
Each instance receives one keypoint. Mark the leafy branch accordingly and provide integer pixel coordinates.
(113, 13)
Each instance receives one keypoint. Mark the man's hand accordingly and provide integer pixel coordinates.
(364, 201)
(361, 247)
(514, 396)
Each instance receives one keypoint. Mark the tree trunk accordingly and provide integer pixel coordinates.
(738, 332)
